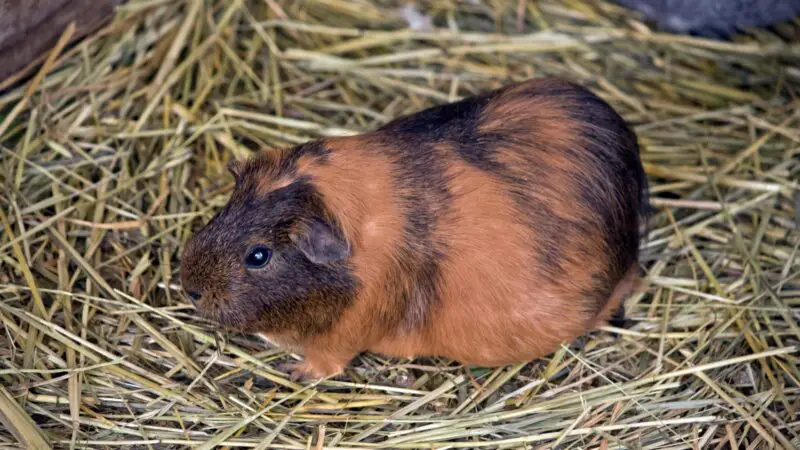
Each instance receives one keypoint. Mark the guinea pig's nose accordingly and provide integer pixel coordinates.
(194, 296)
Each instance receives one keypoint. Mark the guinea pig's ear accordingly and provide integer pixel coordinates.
(321, 245)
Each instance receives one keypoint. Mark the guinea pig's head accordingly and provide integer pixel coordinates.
(273, 259)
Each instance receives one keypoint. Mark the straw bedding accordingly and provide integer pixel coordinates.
(115, 151)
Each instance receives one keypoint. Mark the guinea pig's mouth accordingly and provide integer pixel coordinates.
(225, 317)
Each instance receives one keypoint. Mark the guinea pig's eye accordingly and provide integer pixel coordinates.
(257, 256)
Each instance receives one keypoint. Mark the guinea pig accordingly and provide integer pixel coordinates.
(488, 231)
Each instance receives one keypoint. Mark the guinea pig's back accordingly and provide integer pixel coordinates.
(571, 164)
(538, 224)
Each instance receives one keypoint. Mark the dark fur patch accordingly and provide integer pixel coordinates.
(424, 194)
(455, 123)
(449, 122)
(421, 173)
(618, 202)
(315, 149)
(292, 294)
(280, 163)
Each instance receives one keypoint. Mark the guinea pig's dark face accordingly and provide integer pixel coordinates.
(269, 262)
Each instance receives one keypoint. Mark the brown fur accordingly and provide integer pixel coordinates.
(517, 231)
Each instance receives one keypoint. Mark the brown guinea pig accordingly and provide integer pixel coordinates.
(488, 231)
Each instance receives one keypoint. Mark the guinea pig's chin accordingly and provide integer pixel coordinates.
(228, 318)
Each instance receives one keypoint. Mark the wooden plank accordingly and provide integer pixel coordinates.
(30, 28)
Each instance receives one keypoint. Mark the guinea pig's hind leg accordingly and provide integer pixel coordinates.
(614, 311)
(618, 319)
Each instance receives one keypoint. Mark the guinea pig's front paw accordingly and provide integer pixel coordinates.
(309, 370)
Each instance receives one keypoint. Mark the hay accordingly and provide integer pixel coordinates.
(116, 150)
